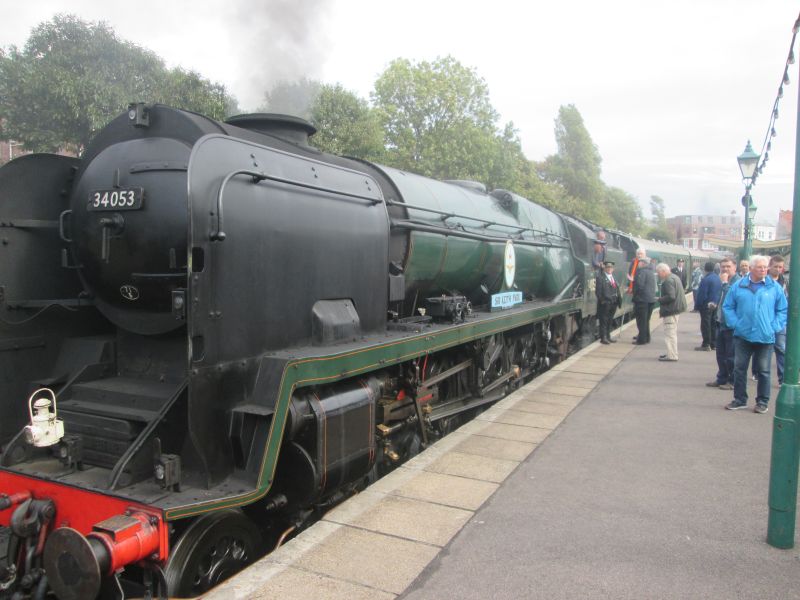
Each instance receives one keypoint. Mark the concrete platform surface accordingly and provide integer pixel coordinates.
(648, 490)
(611, 476)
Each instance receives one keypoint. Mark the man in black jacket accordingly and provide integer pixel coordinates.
(673, 303)
(608, 300)
(680, 271)
(644, 299)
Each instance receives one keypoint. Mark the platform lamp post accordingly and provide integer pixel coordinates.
(748, 161)
(786, 424)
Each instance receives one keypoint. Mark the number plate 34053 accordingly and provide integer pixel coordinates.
(116, 199)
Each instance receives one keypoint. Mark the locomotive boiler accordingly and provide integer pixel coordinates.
(211, 332)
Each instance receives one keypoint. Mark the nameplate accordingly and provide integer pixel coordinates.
(506, 300)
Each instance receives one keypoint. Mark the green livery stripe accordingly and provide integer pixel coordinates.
(327, 369)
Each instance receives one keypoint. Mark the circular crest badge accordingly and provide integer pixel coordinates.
(510, 264)
(129, 292)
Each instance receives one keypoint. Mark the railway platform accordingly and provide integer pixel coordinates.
(613, 475)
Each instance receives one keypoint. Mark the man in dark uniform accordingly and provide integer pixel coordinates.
(609, 299)
(599, 251)
(680, 271)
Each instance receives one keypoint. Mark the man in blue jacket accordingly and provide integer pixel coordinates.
(708, 293)
(755, 308)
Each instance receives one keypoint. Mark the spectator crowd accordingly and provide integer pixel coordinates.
(743, 310)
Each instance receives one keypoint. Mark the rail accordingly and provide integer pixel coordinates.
(460, 231)
(486, 224)
(259, 176)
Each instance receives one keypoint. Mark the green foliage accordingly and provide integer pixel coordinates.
(662, 235)
(292, 97)
(72, 77)
(346, 125)
(657, 208)
(575, 168)
(190, 91)
(439, 122)
(624, 210)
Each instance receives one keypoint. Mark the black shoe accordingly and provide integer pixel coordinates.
(712, 384)
(703, 349)
(606, 342)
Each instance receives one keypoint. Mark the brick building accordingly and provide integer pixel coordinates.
(691, 230)
(784, 225)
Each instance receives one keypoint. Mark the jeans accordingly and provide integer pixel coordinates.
(724, 355)
(780, 350)
(762, 359)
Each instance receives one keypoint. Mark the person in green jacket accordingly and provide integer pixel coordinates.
(672, 303)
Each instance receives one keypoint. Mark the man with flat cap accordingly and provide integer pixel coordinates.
(609, 299)
(673, 303)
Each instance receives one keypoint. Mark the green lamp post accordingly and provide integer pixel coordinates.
(748, 161)
(785, 458)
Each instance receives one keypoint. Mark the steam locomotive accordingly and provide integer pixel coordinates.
(211, 332)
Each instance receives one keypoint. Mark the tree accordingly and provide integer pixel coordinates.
(575, 168)
(535, 188)
(657, 209)
(72, 77)
(661, 235)
(659, 229)
(292, 97)
(624, 210)
(346, 125)
(576, 165)
(189, 90)
(439, 122)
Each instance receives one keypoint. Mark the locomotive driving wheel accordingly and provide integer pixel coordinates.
(212, 549)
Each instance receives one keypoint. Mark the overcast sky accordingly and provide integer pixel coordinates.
(670, 91)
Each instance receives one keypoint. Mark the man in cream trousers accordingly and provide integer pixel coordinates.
(672, 303)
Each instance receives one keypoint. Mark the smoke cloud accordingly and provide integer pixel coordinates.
(276, 41)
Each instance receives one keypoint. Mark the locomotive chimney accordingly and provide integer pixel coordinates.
(286, 127)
